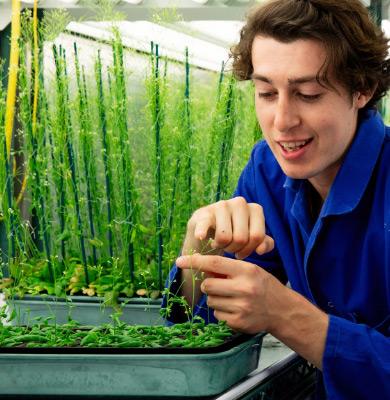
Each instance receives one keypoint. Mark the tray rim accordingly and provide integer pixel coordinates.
(236, 349)
(81, 299)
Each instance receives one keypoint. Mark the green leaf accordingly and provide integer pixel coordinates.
(96, 242)
(64, 236)
(142, 228)
(128, 291)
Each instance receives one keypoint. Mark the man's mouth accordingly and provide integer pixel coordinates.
(294, 146)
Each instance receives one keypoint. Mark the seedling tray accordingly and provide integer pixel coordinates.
(155, 373)
(83, 309)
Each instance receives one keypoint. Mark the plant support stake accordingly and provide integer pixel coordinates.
(83, 114)
(9, 117)
(71, 159)
(105, 150)
(157, 124)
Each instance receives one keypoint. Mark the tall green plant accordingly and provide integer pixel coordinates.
(86, 150)
(126, 179)
(105, 150)
(227, 140)
(33, 138)
(97, 167)
(181, 204)
(63, 96)
(157, 123)
(3, 181)
(221, 142)
(187, 135)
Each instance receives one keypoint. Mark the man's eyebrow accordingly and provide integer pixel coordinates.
(293, 81)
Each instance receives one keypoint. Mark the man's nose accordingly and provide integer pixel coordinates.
(286, 115)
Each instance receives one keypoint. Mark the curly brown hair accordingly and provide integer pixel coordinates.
(356, 47)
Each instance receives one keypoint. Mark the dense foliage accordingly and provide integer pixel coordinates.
(119, 335)
(115, 163)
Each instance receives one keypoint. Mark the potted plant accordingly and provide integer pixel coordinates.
(108, 194)
(185, 360)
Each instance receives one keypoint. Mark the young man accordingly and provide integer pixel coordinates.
(312, 206)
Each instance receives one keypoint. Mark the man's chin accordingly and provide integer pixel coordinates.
(296, 174)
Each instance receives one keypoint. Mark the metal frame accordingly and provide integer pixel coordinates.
(187, 9)
(291, 378)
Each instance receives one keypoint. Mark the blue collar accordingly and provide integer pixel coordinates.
(356, 169)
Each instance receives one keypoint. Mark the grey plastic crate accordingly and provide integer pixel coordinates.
(85, 310)
(151, 375)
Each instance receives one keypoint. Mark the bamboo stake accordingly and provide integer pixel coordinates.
(12, 75)
(157, 123)
(10, 116)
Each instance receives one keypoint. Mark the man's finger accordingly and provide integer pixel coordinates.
(203, 225)
(238, 210)
(223, 226)
(223, 316)
(221, 304)
(214, 264)
(267, 245)
(256, 233)
(217, 286)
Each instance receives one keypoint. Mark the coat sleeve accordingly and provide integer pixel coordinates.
(356, 362)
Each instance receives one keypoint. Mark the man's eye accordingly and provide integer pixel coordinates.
(309, 97)
(266, 95)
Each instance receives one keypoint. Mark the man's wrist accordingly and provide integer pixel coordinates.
(300, 325)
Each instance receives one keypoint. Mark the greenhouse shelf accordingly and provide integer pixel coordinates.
(83, 309)
(291, 378)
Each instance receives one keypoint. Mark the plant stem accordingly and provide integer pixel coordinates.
(221, 76)
(173, 196)
(103, 128)
(83, 115)
(188, 135)
(64, 96)
(157, 125)
(127, 177)
(226, 144)
(29, 119)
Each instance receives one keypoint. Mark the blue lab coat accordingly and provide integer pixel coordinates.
(339, 261)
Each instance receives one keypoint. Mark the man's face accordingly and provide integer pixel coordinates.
(307, 126)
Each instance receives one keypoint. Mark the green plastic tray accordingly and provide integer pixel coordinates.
(151, 375)
(85, 310)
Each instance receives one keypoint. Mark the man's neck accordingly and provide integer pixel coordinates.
(315, 202)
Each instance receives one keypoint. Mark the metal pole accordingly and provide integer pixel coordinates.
(5, 35)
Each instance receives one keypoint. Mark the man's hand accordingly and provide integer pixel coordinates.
(251, 300)
(233, 226)
(238, 291)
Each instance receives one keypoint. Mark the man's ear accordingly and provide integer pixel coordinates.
(362, 98)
